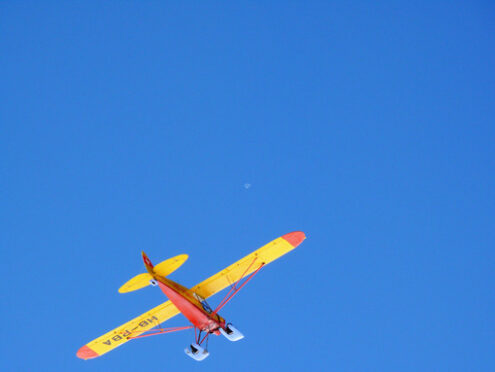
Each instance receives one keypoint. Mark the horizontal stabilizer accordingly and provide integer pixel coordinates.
(138, 282)
(169, 266)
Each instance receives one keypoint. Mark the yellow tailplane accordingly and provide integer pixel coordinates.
(162, 269)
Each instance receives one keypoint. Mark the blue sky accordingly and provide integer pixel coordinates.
(129, 126)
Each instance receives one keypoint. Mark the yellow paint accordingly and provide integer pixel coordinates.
(134, 327)
(234, 272)
(167, 267)
(163, 269)
(206, 288)
(138, 282)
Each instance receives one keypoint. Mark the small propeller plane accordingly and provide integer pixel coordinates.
(190, 302)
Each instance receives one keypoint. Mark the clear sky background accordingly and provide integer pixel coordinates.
(134, 125)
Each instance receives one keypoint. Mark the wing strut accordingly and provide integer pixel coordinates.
(236, 287)
(154, 332)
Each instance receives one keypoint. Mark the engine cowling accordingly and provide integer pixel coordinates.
(231, 333)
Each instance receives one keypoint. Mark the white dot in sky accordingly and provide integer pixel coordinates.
(247, 185)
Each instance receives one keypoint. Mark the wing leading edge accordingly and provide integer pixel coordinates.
(214, 284)
(134, 327)
(247, 265)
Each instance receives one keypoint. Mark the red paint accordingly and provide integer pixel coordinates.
(147, 261)
(86, 353)
(154, 332)
(197, 316)
(236, 289)
(294, 238)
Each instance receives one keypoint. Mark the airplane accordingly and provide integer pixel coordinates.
(190, 302)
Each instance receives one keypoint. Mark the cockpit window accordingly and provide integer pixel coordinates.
(206, 306)
(203, 302)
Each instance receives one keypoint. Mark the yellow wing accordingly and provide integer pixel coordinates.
(136, 326)
(206, 288)
(245, 266)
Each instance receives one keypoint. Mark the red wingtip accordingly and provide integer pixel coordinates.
(294, 238)
(86, 353)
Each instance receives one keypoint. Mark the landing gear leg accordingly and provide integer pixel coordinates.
(195, 350)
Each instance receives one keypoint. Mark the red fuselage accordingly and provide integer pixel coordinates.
(190, 307)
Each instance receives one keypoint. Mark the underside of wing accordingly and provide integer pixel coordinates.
(169, 266)
(134, 327)
(206, 288)
(249, 264)
(137, 282)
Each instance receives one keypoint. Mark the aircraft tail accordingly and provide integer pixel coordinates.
(147, 263)
(162, 269)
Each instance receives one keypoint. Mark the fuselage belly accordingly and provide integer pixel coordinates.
(190, 307)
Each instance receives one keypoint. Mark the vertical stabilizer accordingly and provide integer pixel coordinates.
(148, 264)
